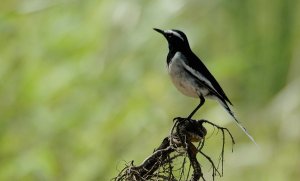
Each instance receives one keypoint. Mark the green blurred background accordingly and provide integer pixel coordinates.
(84, 87)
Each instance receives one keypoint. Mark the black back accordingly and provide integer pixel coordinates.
(194, 61)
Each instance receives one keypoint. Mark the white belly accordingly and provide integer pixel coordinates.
(182, 80)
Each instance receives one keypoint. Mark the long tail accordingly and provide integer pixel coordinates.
(224, 104)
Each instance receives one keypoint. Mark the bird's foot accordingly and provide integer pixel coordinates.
(178, 119)
(182, 119)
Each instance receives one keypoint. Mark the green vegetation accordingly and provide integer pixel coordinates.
(84, 88)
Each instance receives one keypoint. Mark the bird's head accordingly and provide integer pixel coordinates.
(177, 40)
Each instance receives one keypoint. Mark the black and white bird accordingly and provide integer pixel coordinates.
(190, 76)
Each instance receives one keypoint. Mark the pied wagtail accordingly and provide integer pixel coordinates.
(190, 76)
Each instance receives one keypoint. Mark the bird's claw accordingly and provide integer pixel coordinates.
(178, 119)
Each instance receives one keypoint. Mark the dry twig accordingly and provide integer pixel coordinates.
(160, 165)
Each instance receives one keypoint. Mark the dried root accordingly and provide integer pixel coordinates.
(169, 161)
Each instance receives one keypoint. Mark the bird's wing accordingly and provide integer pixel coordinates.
(202, 73)
(203, 81)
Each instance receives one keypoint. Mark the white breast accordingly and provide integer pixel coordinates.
(182, 80)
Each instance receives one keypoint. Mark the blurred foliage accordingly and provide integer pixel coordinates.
(83, 85)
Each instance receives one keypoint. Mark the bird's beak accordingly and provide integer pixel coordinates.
(159, 31)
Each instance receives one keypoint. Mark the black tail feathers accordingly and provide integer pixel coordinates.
(225, 105)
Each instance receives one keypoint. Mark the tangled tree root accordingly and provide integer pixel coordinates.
(178, 145)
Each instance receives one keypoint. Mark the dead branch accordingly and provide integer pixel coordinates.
(160, 165)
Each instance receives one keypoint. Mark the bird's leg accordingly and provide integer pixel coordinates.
(202, 100)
